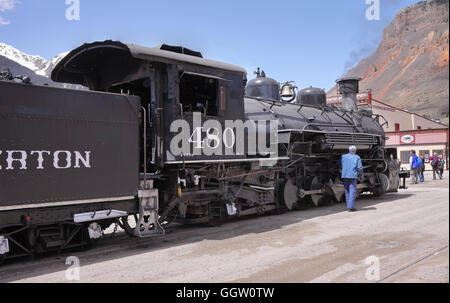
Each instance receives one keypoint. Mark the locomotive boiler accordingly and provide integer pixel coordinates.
(165, 135)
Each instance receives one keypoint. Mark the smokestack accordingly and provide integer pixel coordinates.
(348, 87)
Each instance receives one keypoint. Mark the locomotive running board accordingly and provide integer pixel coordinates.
(98, 215)
(65, 203)
(147, 224)
(263, 160)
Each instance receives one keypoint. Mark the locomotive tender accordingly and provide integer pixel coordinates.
(74, 162)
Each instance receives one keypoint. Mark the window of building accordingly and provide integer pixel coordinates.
(438, 152)
(405, 156)
(419, 127)
(426, 155)
(397, 127)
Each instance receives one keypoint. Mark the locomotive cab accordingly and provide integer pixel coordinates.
(173, 83)
(180, 92)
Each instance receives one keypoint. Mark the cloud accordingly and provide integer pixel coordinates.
(3, 22)
(7, 5)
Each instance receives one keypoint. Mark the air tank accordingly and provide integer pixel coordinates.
(312, 96)
(262, 87)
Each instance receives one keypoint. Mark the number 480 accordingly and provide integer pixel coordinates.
(213, 138)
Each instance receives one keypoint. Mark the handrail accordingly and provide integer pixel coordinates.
(145, 146)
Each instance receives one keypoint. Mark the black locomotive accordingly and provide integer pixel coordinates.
(164, 134)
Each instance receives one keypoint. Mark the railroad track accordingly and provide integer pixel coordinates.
(412, 264)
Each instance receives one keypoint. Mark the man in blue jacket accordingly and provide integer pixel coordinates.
(351, 170)
(414, 161)
(421, 168)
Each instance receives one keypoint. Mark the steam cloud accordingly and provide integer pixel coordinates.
(370, 33)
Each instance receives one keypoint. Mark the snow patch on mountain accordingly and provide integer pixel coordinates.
(47, 69)
(35, 63)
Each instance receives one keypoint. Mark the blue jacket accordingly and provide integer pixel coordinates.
(415, 162)
(419, 162)
(351, 166)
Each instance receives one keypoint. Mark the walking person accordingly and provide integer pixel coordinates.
(351, 170)
(414, 161)
(441, 166)
(435, 165)
(421, 168)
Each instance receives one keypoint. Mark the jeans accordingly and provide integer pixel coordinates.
(421, 177)
(414, 176)
(350, 192)
(435, 172)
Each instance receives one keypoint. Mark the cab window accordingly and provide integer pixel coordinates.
(199, 94)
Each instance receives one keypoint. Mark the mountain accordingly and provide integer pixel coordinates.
(47, 68)
(18, 69)
(37, 64)
(410, 68)
(35, 67)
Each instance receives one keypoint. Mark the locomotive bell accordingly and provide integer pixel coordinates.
(286, 91)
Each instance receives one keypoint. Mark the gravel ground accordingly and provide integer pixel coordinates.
(406, 234)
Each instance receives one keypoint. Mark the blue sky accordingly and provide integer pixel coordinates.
(311, 42)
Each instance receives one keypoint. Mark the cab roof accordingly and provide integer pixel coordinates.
(82, 61)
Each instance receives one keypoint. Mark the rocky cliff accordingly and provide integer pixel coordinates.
(409, 69)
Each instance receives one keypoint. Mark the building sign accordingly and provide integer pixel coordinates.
(384, 108)
(364, 98)
(407, 139)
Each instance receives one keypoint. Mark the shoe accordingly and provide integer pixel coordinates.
(352, 210)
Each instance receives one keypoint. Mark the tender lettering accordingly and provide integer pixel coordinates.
(44, 159)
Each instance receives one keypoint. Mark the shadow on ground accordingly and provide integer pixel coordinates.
(123, 246)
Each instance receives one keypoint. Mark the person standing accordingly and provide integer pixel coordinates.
(421, 168)
(413, 160)
(435, 165)
(351, 170)
(441, 166)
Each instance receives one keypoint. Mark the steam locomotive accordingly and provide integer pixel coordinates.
(165, 135)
